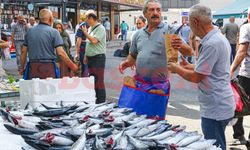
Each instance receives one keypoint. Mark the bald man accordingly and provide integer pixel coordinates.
(18, 32)
(43, 43)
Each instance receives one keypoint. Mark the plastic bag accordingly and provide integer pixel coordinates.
(6, 53)
(244, 101)
(143, 102)
(237, 98)
(12, 49)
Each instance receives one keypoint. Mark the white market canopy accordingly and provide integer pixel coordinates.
(238, 9)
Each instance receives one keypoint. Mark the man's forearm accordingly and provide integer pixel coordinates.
(190, 67)
(78, 43)
(186, 74)
(240, 55)
(62, 54)
(12, 38)
(237, 61)
(131, 59)
(186, 50)
(23, 57)
(91, 38)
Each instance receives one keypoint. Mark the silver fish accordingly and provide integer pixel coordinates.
(188, 140)
(122, 143)
(146, 130)
(132, 132)
(80, 143)
(141, 124)
(160, 136)
(139, 145)
(57, 140)
(202, 144)
(175, 139)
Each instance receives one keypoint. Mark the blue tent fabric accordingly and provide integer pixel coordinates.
(238, 8)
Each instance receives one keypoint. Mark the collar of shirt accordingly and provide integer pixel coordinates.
(95, 25)
(44, 23)
(209, 34)
(161, 25)
(19, 24)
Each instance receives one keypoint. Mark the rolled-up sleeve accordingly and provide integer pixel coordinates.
(133, 48)
(244, 36)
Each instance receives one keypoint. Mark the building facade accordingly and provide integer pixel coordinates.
(66, 9)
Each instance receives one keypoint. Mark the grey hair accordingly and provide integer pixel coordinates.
(203, 12)
(145, 7)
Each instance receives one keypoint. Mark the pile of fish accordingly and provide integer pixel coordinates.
(99, 127)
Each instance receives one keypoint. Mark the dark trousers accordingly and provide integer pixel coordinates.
(213, 129)
(233, 52)
(96, 65)
(84, 67)
(238, 127)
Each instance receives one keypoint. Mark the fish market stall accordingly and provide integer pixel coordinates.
(95, 126)
(9, 88)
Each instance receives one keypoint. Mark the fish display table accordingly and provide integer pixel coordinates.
(94, 126)
(10, 141)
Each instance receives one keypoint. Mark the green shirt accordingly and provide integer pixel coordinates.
(100, 34)
(124, 26)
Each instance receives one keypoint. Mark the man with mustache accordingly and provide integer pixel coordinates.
(147, 51)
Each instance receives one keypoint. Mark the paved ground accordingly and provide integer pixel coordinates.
(183, 105)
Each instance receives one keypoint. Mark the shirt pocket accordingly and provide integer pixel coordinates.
(157, 48)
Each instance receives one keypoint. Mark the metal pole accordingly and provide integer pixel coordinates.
(64, 19)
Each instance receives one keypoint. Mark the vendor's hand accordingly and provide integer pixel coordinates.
(184, 63)
(171, 67)
(5, 44)
(84, 29)
(123, 65)
(76, 57)
(176, 42)
(21, 71)
(133, 67)
(75, 68)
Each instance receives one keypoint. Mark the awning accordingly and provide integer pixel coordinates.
(238, 8)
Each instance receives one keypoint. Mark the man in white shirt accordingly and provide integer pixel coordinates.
(107, 28)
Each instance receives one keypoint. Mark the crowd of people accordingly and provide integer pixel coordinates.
(43, 50)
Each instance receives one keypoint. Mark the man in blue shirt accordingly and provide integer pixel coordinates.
(43, 43)
(81, 47)
(212, 74)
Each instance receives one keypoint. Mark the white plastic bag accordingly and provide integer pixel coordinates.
(6, 53)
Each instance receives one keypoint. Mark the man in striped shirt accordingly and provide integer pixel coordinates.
(18, 32)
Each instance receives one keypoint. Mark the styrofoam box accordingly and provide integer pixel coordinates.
(51, 91)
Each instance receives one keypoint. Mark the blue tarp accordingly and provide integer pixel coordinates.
(238, 8)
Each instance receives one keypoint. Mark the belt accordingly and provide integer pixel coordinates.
(42, 60)
(97, 56)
